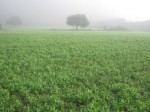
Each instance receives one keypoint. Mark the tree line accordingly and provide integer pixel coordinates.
(76, 21)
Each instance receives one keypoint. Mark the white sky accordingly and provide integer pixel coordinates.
(54, 12)
(134, 10)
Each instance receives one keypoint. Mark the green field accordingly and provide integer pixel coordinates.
(67, 71)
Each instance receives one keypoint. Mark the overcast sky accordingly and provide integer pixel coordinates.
(54, 12)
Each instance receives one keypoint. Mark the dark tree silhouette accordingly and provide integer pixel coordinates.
(78, 20)
(14, 21)
(0, 26)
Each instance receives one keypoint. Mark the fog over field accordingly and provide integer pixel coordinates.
(74, 55)
(53, 13)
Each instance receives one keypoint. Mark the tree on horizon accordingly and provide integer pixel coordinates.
(14, 21)
(78, 20)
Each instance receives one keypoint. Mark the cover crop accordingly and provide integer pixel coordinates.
(74, 71)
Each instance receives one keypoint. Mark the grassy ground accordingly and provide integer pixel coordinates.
(74, 71)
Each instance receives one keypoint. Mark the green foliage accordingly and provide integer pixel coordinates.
(74, 71)
(77, 20)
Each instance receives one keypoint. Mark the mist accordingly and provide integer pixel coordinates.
(53, 13)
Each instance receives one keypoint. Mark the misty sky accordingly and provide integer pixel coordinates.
(54, 12)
